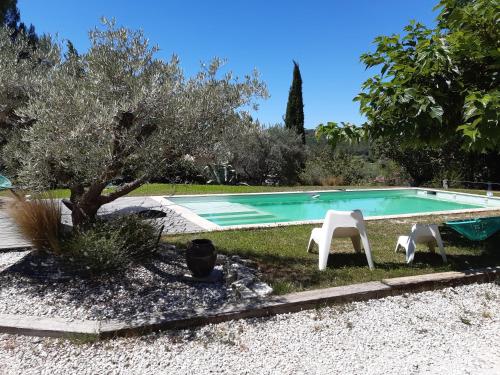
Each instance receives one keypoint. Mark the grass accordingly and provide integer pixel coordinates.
(281, 254)
(185, 189)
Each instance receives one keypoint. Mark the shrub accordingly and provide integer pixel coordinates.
(39, 220)
(263, 154)
(112, 245)
(182, 170)
(332, 181)
(332, 168)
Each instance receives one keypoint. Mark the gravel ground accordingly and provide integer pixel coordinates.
(11, 257)
(450, 331)
(140, 292)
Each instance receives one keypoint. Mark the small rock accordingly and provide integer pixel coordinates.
(261, 289)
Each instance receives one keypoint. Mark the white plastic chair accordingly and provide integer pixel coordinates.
(427, 234)
(341, 224)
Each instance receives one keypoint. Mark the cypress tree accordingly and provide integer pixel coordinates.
(294, 118)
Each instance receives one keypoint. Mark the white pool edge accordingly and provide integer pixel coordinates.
(209, 226)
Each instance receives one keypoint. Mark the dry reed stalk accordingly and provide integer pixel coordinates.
(39, 220)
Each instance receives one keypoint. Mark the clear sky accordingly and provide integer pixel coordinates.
(325, 37)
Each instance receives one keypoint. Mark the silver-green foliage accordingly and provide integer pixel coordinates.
(23, 69)
(111, 246)
(118, 106)
(273, 154)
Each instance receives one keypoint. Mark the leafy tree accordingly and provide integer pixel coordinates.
(294, 118)
(116, 107)
(436, 85)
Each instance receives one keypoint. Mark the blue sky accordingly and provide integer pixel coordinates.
(325, 37)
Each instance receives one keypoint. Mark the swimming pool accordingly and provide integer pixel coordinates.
(261, 209)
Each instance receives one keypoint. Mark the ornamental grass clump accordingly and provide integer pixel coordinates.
(102, 246)
(113, 245)
(39, 221)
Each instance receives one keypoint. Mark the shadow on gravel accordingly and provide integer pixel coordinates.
(155, 289)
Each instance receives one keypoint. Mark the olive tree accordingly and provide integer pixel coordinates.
(22, 72)
(119, 107)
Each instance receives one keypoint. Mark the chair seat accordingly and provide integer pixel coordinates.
(421, 240)
(340, 224)
(403, 239)
(427, 234)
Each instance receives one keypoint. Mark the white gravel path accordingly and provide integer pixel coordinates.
(450, 331)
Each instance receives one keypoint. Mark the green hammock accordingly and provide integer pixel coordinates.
(476, 229)
(5, 183)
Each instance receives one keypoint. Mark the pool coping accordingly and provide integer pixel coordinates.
(209, 226)
(289, 303)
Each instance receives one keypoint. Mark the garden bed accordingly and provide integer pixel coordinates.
(41, 286)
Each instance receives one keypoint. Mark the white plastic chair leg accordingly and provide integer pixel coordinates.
(356, 243)
(323, 258)
(368, 251)
(410, 251)
(441, 248)
(310, 244)
(324, 251)
(439, 241)
(398, 246)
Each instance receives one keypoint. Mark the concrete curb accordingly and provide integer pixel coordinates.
(294, 302)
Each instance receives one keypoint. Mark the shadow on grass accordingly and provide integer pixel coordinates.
(292, 272)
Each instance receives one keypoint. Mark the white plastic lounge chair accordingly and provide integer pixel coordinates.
(421, 234)
(341, 224)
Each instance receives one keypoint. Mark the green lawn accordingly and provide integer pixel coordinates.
(183, 189)
(281, 254)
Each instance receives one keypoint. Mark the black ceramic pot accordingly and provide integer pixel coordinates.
(201, 257)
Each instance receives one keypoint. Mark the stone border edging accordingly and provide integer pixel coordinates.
(294, 302)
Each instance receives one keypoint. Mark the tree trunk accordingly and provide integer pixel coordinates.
(84, 205)
(86, 202)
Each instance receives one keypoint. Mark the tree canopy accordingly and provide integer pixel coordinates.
(116, 107)
(435, 84)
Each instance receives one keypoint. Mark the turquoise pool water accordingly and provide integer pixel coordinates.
(241, 209)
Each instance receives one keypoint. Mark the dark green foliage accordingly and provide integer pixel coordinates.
(435, 85)
(331, 168)
(179, 171)
(268, 155)
(9, 14)
(107, 246)
(294, 118)
(11, 17)
(429, 165)
(71, 50)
